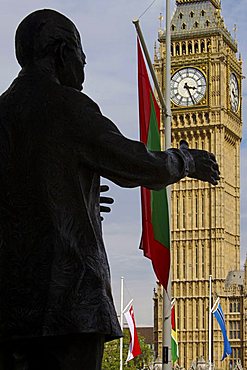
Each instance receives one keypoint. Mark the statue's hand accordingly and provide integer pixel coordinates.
(205, 166)
(105, 200)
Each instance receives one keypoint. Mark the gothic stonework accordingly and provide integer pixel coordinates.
(205, 220)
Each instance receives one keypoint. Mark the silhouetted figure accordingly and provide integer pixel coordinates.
(56, 307)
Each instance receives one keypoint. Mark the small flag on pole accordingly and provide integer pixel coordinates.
(219, 315)
(134, 347)
(155, 240)
(174, 342)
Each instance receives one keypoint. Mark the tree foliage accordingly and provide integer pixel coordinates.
(111, 359)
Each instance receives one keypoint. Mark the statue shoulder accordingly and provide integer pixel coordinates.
(80, 99)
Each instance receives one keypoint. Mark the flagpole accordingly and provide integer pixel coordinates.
(128, 305)
(150, 65)
(210, 324)
(121, 320)
(166, 118)
(166, 332)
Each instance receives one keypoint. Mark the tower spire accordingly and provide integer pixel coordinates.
(235, 32)
(216, 3)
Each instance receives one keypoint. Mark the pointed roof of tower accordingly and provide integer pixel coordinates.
(195, 16)
(235, 277)
(216, 3)
(192, 18)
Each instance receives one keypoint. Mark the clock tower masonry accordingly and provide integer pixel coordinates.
(206, 91)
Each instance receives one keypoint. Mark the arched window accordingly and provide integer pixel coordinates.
(173, 27)
(178, 211)
(196, 24)
(178, 261)
(202, 46)
(184, 213)
(203, 13)
(203, 315)
(207, 23)
(208, 45)
(197, 316)
(180, 15)
(183, 26)
(183, 48)
(203, 202)
(184, 261)
(196, 47)
(192, 14)
(177, 49)
(194, 118)
(196, 260)
(190, 47)
(196, 211)
(184, 314)
(203, 260)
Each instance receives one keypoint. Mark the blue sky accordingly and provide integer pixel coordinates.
(109, 41)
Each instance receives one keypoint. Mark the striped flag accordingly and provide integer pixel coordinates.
(174, 342)
(134, 347)
(155, 240)
(219, 315)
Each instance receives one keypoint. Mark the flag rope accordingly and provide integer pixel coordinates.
(145, 11)
(128, 305)
(130, 293)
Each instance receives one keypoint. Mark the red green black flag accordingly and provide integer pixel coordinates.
(155, 240)
(174, 341)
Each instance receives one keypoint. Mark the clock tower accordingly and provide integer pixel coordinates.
(206, 85)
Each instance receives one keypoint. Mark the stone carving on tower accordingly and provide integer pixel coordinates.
(206, 97)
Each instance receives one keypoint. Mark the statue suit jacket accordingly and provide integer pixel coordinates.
(54, 146)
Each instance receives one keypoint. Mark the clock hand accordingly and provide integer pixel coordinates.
(186, 85)
(191, 97)
(188, 88)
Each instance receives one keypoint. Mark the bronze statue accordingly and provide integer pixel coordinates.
(56, 306)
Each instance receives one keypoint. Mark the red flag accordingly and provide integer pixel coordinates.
(134, 347)
(155, 240)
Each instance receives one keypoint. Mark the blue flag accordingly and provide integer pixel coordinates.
(219, 315)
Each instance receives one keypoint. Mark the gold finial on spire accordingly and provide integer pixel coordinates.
(161, 19)
(235, 32)
(160, 31)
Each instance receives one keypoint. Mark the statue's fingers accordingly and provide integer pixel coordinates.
(215, 167)
(105, 209)
(107, 200)
(184, 144)
(214, 181)
(215, 177)
(212, 156)
(104, 188)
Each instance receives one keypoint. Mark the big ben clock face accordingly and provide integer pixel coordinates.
(234, 93)
(188, 86)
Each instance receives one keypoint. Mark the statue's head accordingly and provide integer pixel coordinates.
(49, 38)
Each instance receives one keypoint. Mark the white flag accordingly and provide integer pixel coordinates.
(134, 347)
